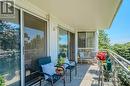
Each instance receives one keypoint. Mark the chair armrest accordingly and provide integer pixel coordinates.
(74, 62)
(66, 64)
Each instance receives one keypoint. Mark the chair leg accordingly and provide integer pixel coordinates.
(70, 75)
(40, 82)
(52, 84)
(75, 70)
(64, 80)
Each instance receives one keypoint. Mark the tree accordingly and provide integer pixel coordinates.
(9, 36)
(122, 49)
(104, 41)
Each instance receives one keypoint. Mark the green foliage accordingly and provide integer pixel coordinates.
(35, 43)
(123, 77)
(61, 59)
(104, 41)
(122, 49)
(2, 82)
(9, 38)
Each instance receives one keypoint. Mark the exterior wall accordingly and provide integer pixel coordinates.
(53, 41)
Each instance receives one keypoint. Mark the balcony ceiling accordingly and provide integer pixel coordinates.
(81, 14)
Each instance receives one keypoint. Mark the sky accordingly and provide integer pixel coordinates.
(33, 33)
(119, 32)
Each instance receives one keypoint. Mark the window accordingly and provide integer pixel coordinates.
(90, 39)
(86, 39)
(72, 46)
(10, 49)
(35, 38)
(63, 42)
(82, 39)
(66, 44)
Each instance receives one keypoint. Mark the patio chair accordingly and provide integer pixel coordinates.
(70, 65)
(52, 78)
(82, 56)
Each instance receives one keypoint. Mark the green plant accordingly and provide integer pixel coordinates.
(2, 82)
(124, 79)
(104, 40)
(122, 49)
(61, 59)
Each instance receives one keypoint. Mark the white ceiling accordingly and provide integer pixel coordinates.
(81, 14)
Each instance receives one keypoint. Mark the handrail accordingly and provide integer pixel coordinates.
(110, 51)
(121, 64)
(128, 62)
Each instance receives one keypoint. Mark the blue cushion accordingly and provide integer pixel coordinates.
(49, 69)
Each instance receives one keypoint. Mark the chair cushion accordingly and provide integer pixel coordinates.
(49, 69)
(66, 61)
(81, 54)
(72, 63)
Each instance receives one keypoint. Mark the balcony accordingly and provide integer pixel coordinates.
(41, 28)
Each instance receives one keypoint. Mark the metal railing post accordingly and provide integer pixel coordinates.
(119, 65)
(102, 82)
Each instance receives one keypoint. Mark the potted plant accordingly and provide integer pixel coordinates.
(2, 82)
(61, 59)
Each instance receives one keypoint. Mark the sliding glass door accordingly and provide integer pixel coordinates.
(35, 46)
(63, 42)
(10, 50)
(66, 44)
(35, 42)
